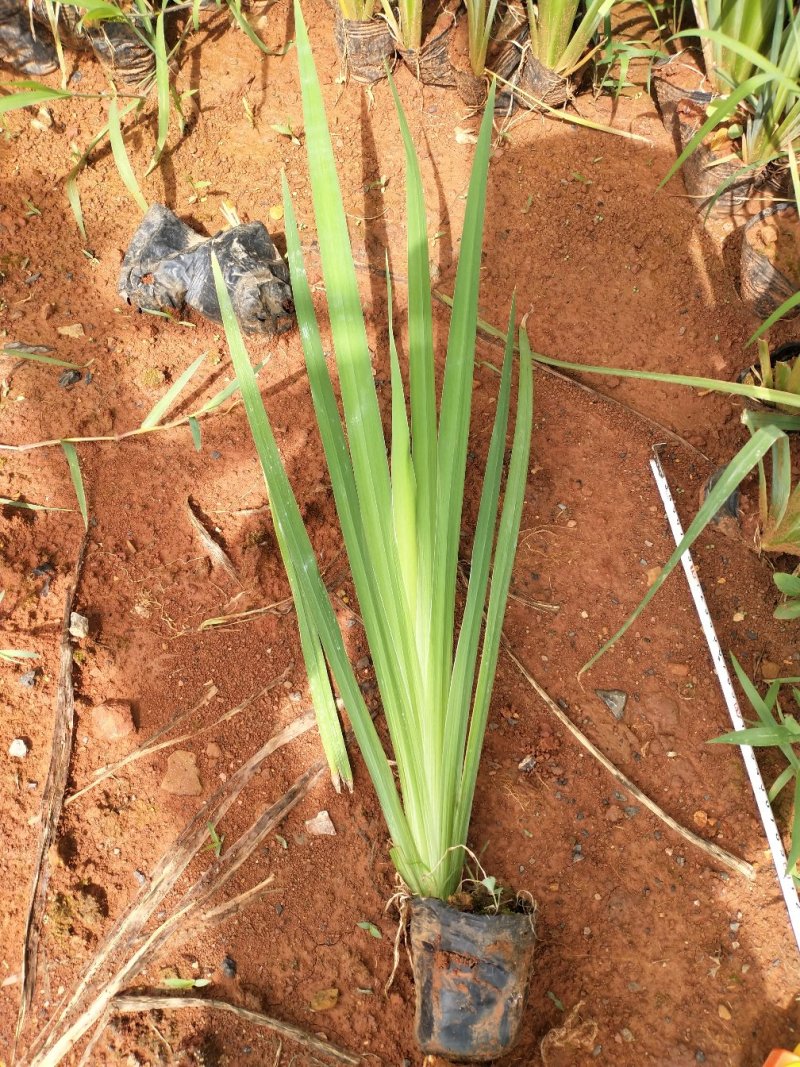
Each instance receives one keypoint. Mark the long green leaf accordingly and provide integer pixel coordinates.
(507, 536)
(17, 655)
(77, 479)
(365, 436)
(10, 352)
(303, 570)
(718, 385)
(120, 154)
(162, 92)
(788, 305)
(235, 8)
(794, 851)
(402, 715)
(7, 502)
(758, 737)
(780, 783)
(454, 419)
(421, 379)
(465, 663)
(160, 409)
(739, 467)
(29, 94)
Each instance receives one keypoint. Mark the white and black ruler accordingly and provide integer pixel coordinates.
(728, 692)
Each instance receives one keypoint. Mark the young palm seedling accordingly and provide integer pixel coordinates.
(562, 33)
(401, 518)
(779, 730)
(752, 55)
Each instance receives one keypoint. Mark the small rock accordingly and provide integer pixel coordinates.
(112, 721)
(213, 751)
(321, 825)
(74, 330)
(678, 670)
(700, 1056)
(700, 818)
(18, 748)
(324, 999)
(724, 1012)
(28, 679)
(140, 877)
(769, 670)
(78, 626)
(182, 779)
(631, 811)
(614, 700)
(229, 967)
(527, 764)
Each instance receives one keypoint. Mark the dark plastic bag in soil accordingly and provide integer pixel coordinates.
(364, 47)
(470, 87)
(471, 977)
(763, 285)
(683, 111)
(430, 63)
(504, 56)
(540, 85)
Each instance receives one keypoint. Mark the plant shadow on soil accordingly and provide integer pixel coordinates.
(633, 922)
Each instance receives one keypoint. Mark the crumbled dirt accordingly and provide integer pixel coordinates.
(676, 959)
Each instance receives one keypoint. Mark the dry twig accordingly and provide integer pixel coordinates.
(129, 1004)
(59, 1035)
(52, 800)
(712, 850)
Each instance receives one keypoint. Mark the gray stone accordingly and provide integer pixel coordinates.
(615, 700)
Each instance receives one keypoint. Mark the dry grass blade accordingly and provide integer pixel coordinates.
(712, 850)
(216, 554)
(73, 463)
(60, 1035)
(52, 801)
(279, 607)
(128, 1004)
(236, 904)
(7, 502)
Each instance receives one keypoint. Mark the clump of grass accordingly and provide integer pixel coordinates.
(400, 516)
(776, 729)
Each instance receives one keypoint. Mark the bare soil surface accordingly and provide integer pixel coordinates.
(674, 959)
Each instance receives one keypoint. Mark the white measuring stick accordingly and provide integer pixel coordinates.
(728, 692)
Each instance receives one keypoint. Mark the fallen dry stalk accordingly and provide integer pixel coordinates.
(129, 1004)
(236, 904)
(717, 853)
(58, 1037)
(52, 800)
(203, 889)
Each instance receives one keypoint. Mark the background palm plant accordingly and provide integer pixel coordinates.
(562, 31)
(758, 75)
(401, 516)
(480, 19)
(779, 730)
